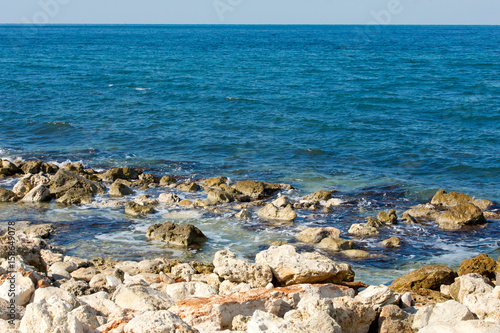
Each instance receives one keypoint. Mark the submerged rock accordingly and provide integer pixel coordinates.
(290, 267)
(181, 235)
(391, 242)
(459, 216)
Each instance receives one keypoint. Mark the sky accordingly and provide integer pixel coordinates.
(250, 11)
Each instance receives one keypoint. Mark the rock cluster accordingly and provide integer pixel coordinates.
(283, 291)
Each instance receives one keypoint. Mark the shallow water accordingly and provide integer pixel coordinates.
(386, 117)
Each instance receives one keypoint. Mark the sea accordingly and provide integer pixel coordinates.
(384, 115)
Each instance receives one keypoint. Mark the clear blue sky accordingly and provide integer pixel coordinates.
(252, 11)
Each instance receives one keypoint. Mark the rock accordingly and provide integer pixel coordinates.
(425, 212)
(371, 222)
(362, 230)
(272, 212)
(7, 195)
(49, 168)
(31, 167)
(318, 196)
(441, 198)
(481, 264)
(477, 326)
(422, 316)
(22, 187)
(377, 296)
(167, 180)
(181, 235)
(188, 186)
(215, 181)
(185, 203)
(39, 193)
(100, 302)
(216, 197)
(338, 244)
(183, 271)
(236, 270)
(240, 323)
(316, 235)
(244, 214)
(132, 208)
(51, 316)
(84, 273)
(259, 190)
(70, 184)
(282, 202)
(391, 242)
(75, 287)
(6, 310)
(427, 277)
(267, 322)
(475, 292)
(157, 322)
(393, 319)
(407, 218)
(59, 274)
(228, 288)
(141, 298)
(459, 216)
(388, 218)
(352, 316)
(217, 312)
(44, 294)
(313, 315)
(178, 291)
(148, 178)
(120, 173)
(290, 267)
(449, 313)
(89, 316)
(169, 198)
(23, 288)
(355, 254)
(406, 300)
(118, 189)
(10, 167)
(75, 197)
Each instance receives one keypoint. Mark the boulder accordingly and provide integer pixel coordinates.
(178, 291)
(427, 277)
(217, 312)
(391, 242)
(313, 315)
(353, 316)
(282, 202)
(421, 318)
(167, 180)
(188, 186)
(7, 195)
(51, 316)
(141, 298)
(236, 270)
(243, 214)
(100, 302)
(157, 322)
(481, 264)
(257, 189)
(11, 168)
(267, 322)
(181, 235)
(425, 212)
(444, 199)
(44, 294)
(39, 193)
(118, 189)
(64, 181)
(388, 217)
(22, 187)
(169, 198)
(316, 235)
(338, 244)
(120, 173)
(6, 310)
(393, 319)
(216, 197)
(23, 288)
(362, 230)
(132, 208)
(271, 212)
(84, 273)
(459, 216)
(290, 267)
(318, 196)
(355, 254)
(449, 313)
(75, 287)
(31, 167)
(75, 197)
(377, 296)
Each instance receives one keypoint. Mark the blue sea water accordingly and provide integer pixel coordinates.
(395, 111)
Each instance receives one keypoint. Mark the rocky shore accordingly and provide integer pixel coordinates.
(282, 290)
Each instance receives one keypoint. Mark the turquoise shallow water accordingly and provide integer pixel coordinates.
(385, 114)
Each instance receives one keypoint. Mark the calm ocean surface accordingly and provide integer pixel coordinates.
(387, 115)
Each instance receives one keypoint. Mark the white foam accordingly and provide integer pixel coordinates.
(142, 89)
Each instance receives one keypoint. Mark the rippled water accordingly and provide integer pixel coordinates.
(386, 115)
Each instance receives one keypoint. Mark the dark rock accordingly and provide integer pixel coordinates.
(215, 181)
(120, 173)
(256, 189)
(32, 167)
(216, 197)
(391, 242)
(75, 167)
(167, 180)
(49, 168)
(132, 208)
(459, 216)
(427, 277)
(7, 195)
(388, 218)
(64, 181)
(75, 287)
(318, 196)
(182, 235)
(118, 189)
(481, 264)
(188, 186)
(202, 267)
